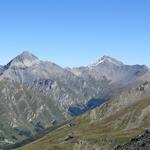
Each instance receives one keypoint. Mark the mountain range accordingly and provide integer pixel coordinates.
(107, 127)
(36, 95)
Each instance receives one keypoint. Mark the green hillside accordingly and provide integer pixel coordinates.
(98, 134)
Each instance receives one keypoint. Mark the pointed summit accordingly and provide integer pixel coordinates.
(26, 55)
(25, 59)
(106, 60)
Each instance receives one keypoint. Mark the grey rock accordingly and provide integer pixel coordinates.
(138, 143)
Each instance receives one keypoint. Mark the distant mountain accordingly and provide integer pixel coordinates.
(116, 122)
(33, 87)
(50, 79)
(24, 60)
(111, 69)
(103, 79)
(106, 60)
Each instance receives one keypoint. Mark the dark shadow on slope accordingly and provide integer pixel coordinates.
(80, 109)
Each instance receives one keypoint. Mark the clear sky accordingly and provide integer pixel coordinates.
(76, 32)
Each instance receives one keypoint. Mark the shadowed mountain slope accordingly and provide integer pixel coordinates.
(100, 129)
(35, 94)
(24, 112)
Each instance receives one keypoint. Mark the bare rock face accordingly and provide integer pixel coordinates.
(141, 142)
(111, 69)
(50, 79)
(23, 60)
(41, 91)
(68, 87)
(103, 79)
(106, 60)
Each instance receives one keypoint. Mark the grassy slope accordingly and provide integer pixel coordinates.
(107, 133)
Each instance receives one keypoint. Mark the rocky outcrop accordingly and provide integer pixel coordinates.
(141, 142)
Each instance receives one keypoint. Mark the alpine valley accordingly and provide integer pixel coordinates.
(96, 107)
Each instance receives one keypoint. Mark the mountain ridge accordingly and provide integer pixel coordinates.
(107, 131)
(77, 89)
(106, 59)
(25, 59)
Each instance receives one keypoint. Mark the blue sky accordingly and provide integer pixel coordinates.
(76, 32)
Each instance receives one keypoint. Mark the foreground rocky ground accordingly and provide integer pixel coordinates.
(141, 142)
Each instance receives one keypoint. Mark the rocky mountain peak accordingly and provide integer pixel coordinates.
(25, 59)
(25, 56)
(106, 60)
